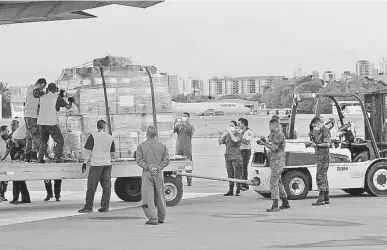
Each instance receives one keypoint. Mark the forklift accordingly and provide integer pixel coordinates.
(357, 165)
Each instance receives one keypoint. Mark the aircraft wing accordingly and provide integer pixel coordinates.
(13, 12)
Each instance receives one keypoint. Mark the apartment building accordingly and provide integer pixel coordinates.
(329, 76)
(364, 68)
(241, 85)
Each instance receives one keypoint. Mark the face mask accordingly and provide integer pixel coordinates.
(232, 129)
(184, 119)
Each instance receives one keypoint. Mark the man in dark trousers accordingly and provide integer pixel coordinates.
(152, 156)
(31, 111)
(16, 150)
(50, 105)
(246, 147)
(184, 130)
(99, 149)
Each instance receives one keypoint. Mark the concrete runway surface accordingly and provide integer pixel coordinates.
(204, 219)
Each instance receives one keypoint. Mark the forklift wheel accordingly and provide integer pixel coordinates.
(296, 184)
(376, 180)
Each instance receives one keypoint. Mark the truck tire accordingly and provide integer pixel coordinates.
(354, 191)
(128, 188)
(296, 184)
(173, 191)
(265, 195)
(376, 179)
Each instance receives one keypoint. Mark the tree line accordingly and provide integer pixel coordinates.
(281, 95)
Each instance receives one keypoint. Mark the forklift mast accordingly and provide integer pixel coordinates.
(376, 113)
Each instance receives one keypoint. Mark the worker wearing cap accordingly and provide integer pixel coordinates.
(152, 156)
(31, 111)
(50, 105)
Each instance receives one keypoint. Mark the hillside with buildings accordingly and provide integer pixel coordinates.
(281, 96)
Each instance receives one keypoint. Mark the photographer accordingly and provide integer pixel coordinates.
(184, 130)
(232, 139)
(50, 105)
(276, 144)
(320, 137)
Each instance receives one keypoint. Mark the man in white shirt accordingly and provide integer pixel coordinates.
(245, 148)
(50, 105)
(99, 149)
(31, 111)
(16, 144)
(17, 141)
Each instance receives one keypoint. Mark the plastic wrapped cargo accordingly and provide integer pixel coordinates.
(111, 61)
(130, 105)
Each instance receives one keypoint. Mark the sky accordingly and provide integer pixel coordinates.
(203, 39)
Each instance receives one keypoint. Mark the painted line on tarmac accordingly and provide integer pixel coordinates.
(39, 210)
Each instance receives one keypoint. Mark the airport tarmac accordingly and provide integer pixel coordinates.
(204, 219)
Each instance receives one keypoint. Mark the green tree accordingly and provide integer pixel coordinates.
(6, 99)
(281, 96)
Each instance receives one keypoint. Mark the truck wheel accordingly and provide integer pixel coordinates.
(376, 179)
(173, 190)
(296, 185)
(265, 195)
(354, 191)
(128, 188)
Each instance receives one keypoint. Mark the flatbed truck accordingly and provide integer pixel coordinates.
(127, 185)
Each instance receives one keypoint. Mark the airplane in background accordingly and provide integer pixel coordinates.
(13, 12)
(205, 107)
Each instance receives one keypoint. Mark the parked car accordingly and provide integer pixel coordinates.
(208, 112)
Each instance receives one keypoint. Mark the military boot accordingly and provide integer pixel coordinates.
(274, 207)
(320, 201)
(230, 190)
(326, 197)
(285, 204)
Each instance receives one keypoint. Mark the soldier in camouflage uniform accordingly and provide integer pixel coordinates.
(276, 144)
(321, 141)
(232, 139)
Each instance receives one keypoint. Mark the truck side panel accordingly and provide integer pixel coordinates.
(14, 171)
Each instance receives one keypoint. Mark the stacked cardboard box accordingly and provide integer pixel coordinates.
(130, 106)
